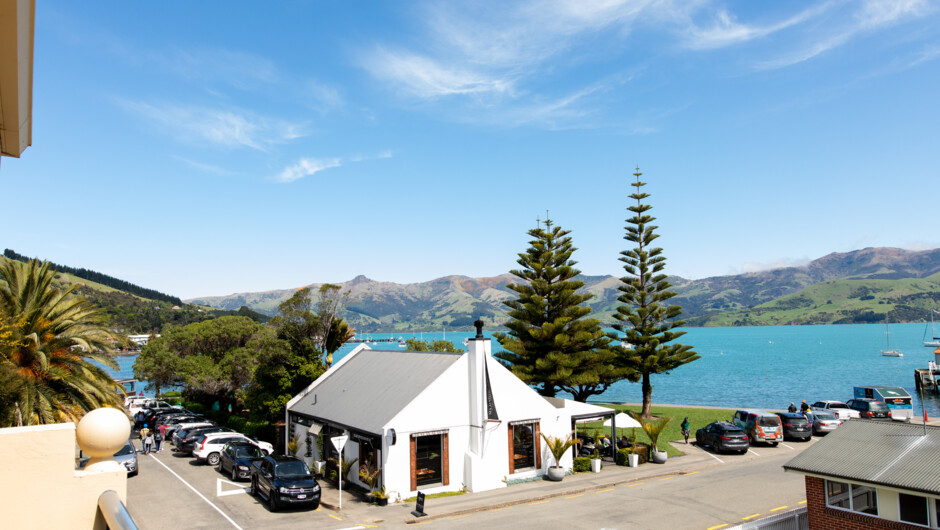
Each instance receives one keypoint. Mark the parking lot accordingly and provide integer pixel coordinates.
(177, 492)
(703, 489)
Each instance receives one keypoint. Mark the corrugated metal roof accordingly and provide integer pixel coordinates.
(887, 453)
(370, 388)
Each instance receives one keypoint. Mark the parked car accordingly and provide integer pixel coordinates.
(870, 409)
(127, 456)
(795, 425)
(825, 422)
(180, 430)
(759, 425)
(236, 458)
(839, 408)
(284, 480)
(723, 436)
(187, 444)
(208, 447)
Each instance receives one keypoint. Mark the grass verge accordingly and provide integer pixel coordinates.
(698, 417)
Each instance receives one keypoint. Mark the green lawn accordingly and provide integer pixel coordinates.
(698, 417)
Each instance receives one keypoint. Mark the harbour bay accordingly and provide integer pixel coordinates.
(765, 367)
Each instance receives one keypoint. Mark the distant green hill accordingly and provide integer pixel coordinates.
(849, 301)
(132, 314)
(779, 296)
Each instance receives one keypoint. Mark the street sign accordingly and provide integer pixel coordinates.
(339, 442)
(419, 506)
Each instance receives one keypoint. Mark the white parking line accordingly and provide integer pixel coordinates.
(753, 451)
(787, 446)
(201, 496)
(709, 454)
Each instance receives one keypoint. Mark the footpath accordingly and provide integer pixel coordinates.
(355, 508)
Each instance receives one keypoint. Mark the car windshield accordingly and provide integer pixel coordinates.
(825, 416)
(295, 469)
(838, 405)
(248, 452)
(796, 420)
(128, 449)
(877, 406)
(769, 421)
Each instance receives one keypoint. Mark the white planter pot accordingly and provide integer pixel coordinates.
(633, 460)
(318, 466)
(659, 457)
(595, 465)
(556, 473)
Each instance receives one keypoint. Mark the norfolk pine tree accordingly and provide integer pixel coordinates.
(550, 342)
(644, 319)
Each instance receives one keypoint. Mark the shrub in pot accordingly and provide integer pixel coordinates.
(653, 428)
(557, 447)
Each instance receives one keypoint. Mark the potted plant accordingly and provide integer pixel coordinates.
(653, 428)
(557, 447)
(369, 475)
(595, 461)
(381, 497)
(633, 459)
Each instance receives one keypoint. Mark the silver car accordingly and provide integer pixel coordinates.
(127, 456)
(825, 422)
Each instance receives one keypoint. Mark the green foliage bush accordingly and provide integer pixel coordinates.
(642, 451)
(582, 463)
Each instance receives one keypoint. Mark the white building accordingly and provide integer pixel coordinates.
(434, 421)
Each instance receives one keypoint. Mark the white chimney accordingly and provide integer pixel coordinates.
(478, 352)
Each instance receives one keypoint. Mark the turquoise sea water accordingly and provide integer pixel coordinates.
(765, 367)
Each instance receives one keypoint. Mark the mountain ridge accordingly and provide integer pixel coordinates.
(457, 300)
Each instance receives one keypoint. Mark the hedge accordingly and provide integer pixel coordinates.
(643, 451)
(582, 463)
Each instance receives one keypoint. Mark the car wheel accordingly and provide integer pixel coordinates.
(272, 501)
(213, 459)
(254, 487)
(742, 451)
(315, 506)
(234, 474)
(774, 444)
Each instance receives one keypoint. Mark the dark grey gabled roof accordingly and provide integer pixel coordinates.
(887, 453)
(369, 389)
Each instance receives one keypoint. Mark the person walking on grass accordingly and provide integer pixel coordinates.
(686, 426)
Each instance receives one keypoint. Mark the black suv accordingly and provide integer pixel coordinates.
(795, 425)
(723, 436)
(870, 409)
(284, 480)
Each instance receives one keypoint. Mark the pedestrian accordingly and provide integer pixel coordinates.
(804, 408)
(146, 439)
(686, 426)
(791, 408)
(161, 434)
(138, 419)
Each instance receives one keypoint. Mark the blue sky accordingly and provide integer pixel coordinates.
(211, 148)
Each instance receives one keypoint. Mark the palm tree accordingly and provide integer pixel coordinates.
(55, 338)
(339, 334)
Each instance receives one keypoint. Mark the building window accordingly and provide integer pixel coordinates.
(913, 509)
(862, 499)
(429, 459)
(523, 446)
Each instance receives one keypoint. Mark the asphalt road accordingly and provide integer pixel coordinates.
(175, 492)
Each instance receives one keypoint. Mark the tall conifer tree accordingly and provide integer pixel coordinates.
(550, 343)
(644, 319)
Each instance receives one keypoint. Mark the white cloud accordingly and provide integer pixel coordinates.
(427, 78)
(306, 167)
(726, 30)
(776, 264)
(226, 127)
(310, 166)
(208, 168)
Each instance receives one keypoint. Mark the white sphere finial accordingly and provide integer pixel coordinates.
(100, 434)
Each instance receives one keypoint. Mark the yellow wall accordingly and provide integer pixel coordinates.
(40, 486)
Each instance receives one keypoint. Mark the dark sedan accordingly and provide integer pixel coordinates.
(236, 458)
(796, 426)
(870, 409)
(723, 436)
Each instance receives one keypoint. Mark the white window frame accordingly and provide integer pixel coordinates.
(851, 507)
(931, 515)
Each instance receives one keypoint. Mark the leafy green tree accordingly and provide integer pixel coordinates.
(52, 343)
(550, 342)
(160, 367)
(437, 345)
(644, 319)
(330, 303)
(216, 359)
